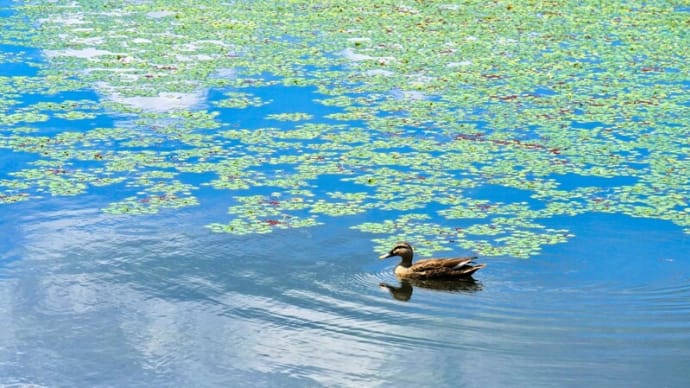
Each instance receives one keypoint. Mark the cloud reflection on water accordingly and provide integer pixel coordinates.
(96, 298)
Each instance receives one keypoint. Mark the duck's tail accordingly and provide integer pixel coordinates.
(470, 268)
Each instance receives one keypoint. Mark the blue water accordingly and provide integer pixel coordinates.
(94, 299)
(90, 299)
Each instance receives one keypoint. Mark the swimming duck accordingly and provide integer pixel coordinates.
(429, 269)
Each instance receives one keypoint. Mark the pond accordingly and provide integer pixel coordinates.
(197, 193)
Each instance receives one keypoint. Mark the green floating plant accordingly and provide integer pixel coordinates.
(261, 214)
(157, 193)
(296, 116)
(240, 100)
(464, 125)
(150, 204)
(335, 209)
(12, 198)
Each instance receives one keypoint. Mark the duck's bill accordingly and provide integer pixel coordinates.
(387, 255)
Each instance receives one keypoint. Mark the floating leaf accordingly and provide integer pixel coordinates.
(453, 126)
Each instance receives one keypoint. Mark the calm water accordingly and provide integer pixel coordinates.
(95, 299)
(92, 299)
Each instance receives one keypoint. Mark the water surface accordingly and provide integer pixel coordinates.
(89, 299)
(197, 193)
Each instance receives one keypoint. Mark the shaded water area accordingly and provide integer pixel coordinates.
(197, 196)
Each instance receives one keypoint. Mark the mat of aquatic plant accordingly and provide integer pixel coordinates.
(458, 125)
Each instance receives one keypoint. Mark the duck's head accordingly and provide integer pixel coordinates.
(402, 249)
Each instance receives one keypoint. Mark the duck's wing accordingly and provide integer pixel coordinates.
(428, 264)
(462, 267)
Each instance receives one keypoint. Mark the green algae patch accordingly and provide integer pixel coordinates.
(449, 125)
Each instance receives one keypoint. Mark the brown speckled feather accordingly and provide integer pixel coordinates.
(423, 265)
(443, 268)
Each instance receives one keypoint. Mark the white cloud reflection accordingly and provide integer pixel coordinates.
(86, 271)
(95, 296)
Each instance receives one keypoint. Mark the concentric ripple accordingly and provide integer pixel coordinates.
(165, 304)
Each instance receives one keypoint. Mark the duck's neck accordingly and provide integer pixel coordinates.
(406, 260)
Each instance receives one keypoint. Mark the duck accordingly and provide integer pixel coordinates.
(457, 268)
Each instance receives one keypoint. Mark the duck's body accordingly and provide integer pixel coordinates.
(430, 269)
(455, 268)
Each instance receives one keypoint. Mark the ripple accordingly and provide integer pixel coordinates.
(166, 304)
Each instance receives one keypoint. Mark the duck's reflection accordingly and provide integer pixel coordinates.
(404, 291)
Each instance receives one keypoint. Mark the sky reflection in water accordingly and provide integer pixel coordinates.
(99, 300)
(562, 141)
